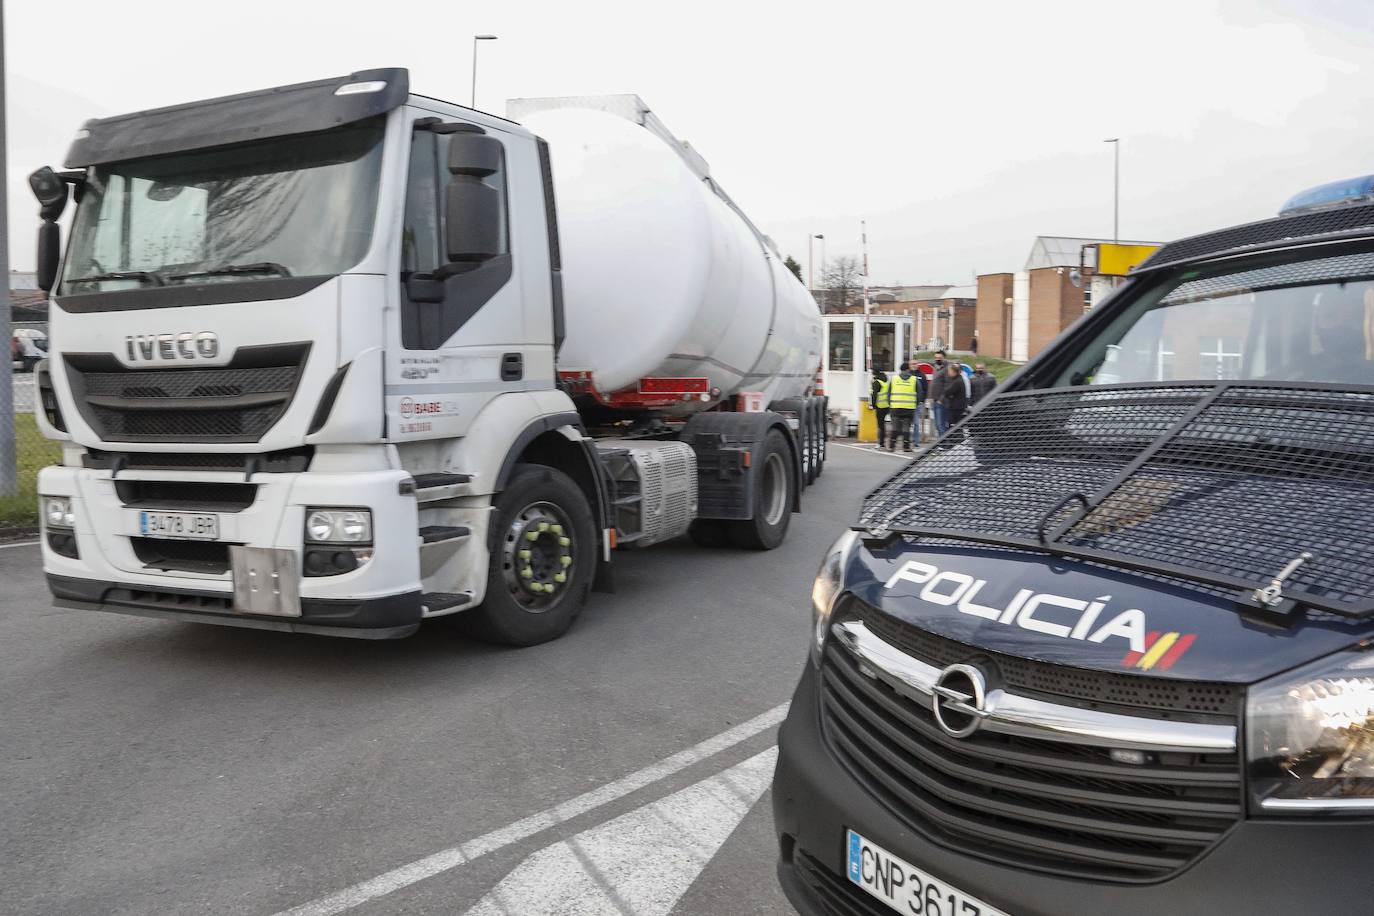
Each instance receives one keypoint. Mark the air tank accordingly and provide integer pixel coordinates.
(663, 277)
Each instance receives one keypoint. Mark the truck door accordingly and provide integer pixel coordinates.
(466, 331)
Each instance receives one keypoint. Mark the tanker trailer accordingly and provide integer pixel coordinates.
(354, 358)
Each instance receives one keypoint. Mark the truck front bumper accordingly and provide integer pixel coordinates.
(371, 618)
(1260, 866)
(379, 599)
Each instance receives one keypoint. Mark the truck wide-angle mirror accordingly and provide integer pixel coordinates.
(51, 192)
(49, 253)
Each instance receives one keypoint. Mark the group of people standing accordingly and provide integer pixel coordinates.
(950, 393)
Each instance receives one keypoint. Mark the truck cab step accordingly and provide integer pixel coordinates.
(441, 534)
(442, 601)
(440, 485)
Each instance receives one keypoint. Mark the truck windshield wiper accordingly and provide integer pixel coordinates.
(259, 267)
(149, 276)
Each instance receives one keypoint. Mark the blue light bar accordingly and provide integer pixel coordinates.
(1344, 193)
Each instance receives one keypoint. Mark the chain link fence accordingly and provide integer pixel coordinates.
(31, 452)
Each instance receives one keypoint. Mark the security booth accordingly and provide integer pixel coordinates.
(855, 347)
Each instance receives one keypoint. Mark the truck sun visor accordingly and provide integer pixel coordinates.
(286, 110)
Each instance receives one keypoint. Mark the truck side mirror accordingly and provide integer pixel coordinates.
(49, 253)
(51, 191)
(472, 209)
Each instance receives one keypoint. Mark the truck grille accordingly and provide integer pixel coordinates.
(186, 495)
(236, 403)
(1045, 805)
(211, 557)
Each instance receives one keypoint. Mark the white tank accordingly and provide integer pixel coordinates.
(662, 277)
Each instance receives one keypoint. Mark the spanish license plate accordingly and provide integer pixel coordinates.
(192, 526)
(906, 888)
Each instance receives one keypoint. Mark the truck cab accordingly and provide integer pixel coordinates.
(304, 374)
(1104, 648)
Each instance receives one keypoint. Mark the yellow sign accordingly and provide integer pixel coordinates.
(1115, 260)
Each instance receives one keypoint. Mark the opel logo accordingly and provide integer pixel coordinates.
(958, 699)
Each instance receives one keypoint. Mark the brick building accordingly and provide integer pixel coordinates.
(1019, 314)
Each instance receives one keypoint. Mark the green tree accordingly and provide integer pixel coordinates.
(792, 265)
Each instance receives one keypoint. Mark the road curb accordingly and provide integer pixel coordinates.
(18, 534)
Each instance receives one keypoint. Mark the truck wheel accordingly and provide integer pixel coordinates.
(543, 555)
(772, 497)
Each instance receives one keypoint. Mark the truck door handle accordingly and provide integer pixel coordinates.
(512, 367)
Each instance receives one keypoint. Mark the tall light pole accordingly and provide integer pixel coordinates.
(475, 39)
(1116, 187)
(9, 477)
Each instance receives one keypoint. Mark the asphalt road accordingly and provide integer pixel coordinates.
(155, 767)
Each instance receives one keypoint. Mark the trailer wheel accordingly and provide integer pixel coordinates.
(823, 425)
(773, 464)
(811, 438)
(543, 556)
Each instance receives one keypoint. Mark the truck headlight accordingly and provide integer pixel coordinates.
(1310, 737)
(57, 510)
(338, 526)
(827, 588)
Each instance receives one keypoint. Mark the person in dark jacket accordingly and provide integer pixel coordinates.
(937, 394)
(981, 385)
(956, 396)
(877, 396)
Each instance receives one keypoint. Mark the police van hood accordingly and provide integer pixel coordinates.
(1086, 615)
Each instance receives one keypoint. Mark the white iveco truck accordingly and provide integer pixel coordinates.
(336, 358)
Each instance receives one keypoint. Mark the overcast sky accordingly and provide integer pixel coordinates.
(959, 130)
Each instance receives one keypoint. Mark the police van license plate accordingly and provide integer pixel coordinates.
(191, 526)
(906, 888)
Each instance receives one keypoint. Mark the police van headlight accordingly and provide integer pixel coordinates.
(1310, 738)
(827, 588)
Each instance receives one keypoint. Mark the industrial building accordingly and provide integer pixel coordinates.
(1019, 313)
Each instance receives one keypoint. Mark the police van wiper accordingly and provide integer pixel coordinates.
(229, 270)
(148, 276)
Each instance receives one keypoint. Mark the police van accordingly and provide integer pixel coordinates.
(1128, 665)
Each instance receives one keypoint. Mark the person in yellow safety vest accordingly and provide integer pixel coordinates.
(878, 395)
(904, 394)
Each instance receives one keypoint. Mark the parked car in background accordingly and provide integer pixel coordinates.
(27, 347)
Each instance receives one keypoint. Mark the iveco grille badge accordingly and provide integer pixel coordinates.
(958, 700)
(186, 345)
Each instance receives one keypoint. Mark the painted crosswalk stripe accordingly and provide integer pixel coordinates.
(406, 875)
(641, 862)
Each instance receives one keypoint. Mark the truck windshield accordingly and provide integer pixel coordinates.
(290, 206)
(1299, 321)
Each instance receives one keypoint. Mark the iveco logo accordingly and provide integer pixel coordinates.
(958, 700)
(186, 345)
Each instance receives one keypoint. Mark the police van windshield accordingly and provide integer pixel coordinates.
(290, 206)
(1307, 321)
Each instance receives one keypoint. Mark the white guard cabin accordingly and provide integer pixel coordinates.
(855, 346)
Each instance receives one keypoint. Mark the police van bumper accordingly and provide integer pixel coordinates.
(1259, 866)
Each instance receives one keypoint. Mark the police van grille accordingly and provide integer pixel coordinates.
(1205, 479)
(239, 402)
(1047, 806)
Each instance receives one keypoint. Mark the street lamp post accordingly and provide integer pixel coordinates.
(1116, 187)
(475, 39)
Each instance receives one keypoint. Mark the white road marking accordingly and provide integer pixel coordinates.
(450, 858)
(21, 544)
(905, 456)
(641, 862)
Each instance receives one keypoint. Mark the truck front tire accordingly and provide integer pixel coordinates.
(543, 557)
